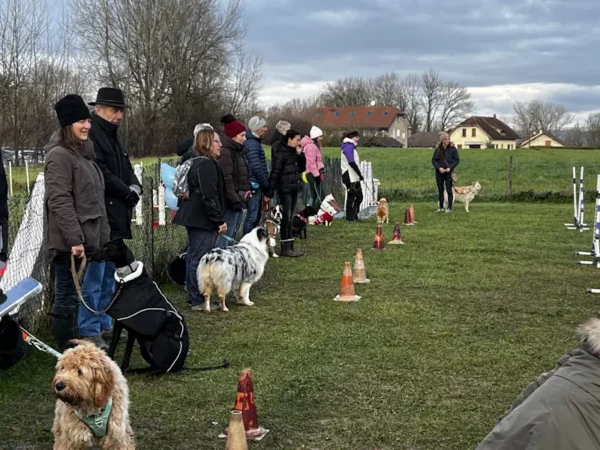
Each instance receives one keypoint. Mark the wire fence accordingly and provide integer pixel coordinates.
(156, 241)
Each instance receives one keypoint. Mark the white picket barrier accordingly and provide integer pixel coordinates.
(578, 204)
(139, 217)
(369, 186)
(595, 253)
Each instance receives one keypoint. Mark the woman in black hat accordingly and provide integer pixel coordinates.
(74, 212)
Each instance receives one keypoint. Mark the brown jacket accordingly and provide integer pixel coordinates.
(74, 211)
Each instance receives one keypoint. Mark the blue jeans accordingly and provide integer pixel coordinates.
(233, 219)
(98, 289)
(254, 212)
(200, 242)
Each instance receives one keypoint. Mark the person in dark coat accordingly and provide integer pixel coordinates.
(561, 409)
(203, 213)
(445, 159)
(351, 175)
(237, 177)
(285, 178)
(277, 140)
(122, 193)
(75, 219)
(259, 173)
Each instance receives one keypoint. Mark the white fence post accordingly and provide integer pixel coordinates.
(10, 179)
(27, 175)
(139, 217)
(161, 206)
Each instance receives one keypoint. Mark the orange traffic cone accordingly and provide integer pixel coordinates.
(407, 218)
(413, 219)
(245, 403)
(236, 436)
(360, 274)
(347, 287)
(397, 235)
(378, 243)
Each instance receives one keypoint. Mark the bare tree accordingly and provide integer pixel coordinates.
(386, 90)
(575, 136)
(432, 87)
(456, 105)
(175, 60)
(593, 130)
(411, 92)
(350, 91)
(246, 78)
(535, 116)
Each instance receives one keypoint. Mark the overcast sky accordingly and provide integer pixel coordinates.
(503, 50)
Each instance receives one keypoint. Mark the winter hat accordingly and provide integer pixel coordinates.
(200, 127)
(256, 123)
(71, 109)
(443, 135)
(232, 127)
(315, 132)
(283, 126)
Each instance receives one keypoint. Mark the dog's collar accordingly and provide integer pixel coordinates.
(98, 424)
(304, 219)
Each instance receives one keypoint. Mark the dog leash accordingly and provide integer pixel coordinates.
(35, 342)
(78, 278)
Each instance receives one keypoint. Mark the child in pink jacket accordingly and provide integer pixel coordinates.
(315, 170)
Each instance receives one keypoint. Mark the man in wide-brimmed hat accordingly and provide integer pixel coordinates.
(122, 193)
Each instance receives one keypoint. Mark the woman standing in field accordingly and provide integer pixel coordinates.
(315, 171)
(76, 224)
(203, 213)
(445, 159)
(351, 176)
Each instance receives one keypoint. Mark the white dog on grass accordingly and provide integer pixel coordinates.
(234, 269)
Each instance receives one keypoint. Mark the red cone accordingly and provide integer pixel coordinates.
(245, 402)
(378, 243)
(413, 218)
(397, 235)
(407, 218)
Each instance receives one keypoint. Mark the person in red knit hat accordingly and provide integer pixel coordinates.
(236, 173)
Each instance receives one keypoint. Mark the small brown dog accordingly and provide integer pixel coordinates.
(92, 401)
(383, 211)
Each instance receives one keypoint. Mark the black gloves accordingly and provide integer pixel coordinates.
(132, 199)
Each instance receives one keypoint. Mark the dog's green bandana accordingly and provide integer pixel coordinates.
(98, 424)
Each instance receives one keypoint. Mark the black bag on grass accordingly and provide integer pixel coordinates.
(12, 344)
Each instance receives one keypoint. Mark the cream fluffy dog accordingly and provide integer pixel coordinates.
(464, 194)
(86, 383)
(383, 211)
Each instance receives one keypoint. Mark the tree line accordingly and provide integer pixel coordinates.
(176, 60)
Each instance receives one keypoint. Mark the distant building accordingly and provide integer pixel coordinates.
(542, 139)
(484, 132)
(382, 121)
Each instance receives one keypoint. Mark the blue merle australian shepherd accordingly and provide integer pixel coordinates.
(234, 269)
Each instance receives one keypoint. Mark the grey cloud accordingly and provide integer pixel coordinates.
(476, 42)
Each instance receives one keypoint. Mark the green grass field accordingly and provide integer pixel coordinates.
(410, 172)
(407, 174)
(453, 325)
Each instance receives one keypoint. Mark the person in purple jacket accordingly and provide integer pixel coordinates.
(351, 175)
